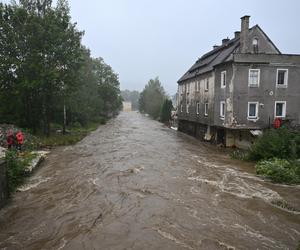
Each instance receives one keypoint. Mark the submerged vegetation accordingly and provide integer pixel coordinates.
(277, 155)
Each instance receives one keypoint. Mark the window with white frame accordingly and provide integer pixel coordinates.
(181, 108)
(280, 109)
(255, 45)
(206, 109)
(223, 79)
(282, 78)
(206, 85)
(252, 110)
(188, 88)
(198, 108)
(222, 109)
(254, 77)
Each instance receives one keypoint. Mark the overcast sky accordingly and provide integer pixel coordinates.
(142, 39)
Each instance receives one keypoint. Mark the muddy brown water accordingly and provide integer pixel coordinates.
(135, 184)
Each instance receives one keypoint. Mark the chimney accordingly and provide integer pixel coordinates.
(244, 34)
(237, 34)
(215, 46)
(225, 40)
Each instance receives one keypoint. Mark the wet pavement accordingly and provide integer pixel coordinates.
(135, 184)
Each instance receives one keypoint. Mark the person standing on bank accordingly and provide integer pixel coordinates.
(20, 140)
(10, 139)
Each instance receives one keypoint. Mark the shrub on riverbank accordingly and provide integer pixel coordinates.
(15, 164)
(280, 143)
(279, 170)
(275, 153)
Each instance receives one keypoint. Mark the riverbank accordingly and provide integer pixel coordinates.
(276, 155)
(16, 166)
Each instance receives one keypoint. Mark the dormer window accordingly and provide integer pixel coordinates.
(255, 45)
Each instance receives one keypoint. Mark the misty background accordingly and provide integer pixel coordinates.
(145, 39)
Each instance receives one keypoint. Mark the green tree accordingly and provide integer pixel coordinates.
(165, 114)
(152, 98)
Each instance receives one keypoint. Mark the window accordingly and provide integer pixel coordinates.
(254, 77)
(206, 109)
(188, 88)
(223, 79)
(255, 45)
(198, 108)
(280, 109)
(222, 109)
(252, 110)
(282, 78)
(197, 83)
(206, 84)
(187, 108)
(181, 108)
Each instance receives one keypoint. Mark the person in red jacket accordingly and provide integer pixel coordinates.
(10, 139)
(20, 140)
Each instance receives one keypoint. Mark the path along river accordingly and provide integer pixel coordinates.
(135, 184)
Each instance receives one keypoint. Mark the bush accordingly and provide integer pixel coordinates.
(280, 143)
(15, 170)
(280, 170)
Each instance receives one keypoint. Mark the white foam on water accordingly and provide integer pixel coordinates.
(257, 235)
(232, 183)
(169, 236)
(94, 181)
(29, 186)
(64, 242)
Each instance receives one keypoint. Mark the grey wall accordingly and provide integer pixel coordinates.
(201, 96)
(263, 94)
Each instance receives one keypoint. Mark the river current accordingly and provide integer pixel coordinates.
(136, 184)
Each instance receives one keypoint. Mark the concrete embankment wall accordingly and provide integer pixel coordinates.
(3, 183)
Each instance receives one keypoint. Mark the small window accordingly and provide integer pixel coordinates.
(222, 109)
(206, 84)
(206, 109)
(254, 77)
(198, 108)
(255, 45)
(188, 88)
(252, 110)
(181, 108)
(223, 79)
(282, 78)
(280, 109)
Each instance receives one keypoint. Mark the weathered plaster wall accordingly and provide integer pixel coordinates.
(266, 94)
(202, 96)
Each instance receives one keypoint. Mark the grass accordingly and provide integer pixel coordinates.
(73, 136)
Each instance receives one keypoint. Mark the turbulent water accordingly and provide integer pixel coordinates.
(135, 184)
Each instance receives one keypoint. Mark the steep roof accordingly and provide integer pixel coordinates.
(209, 60)
(217, 56)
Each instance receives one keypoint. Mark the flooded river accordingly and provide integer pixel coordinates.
(135, 184)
